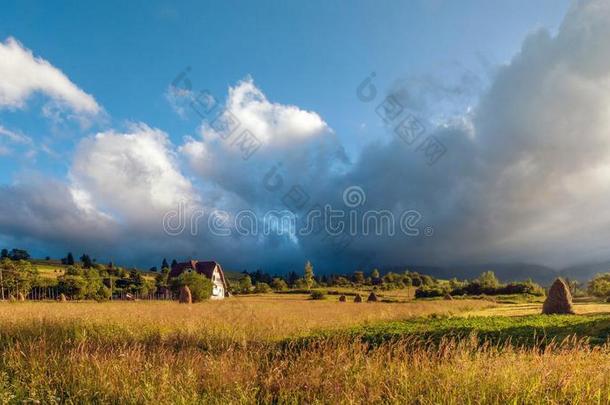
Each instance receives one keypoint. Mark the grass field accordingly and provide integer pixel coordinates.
(288, 349)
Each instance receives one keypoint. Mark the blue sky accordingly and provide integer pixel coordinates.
(310, 54)
(109, 137)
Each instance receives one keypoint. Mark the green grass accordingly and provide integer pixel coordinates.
(522, 330)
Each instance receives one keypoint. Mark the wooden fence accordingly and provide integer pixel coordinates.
(53, 293)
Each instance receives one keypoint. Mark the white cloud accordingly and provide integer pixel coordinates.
(23, 74)
(12, 141)
(14, 137)
(133, 175)
(300, 139)
(274, 124)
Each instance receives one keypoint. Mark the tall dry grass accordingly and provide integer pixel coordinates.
(228, 353)
(255, 318)
(333, 371)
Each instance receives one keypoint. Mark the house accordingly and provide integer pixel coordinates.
(211, 270)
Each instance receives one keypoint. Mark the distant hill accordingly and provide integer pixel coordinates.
(585, 272)
(506, 272)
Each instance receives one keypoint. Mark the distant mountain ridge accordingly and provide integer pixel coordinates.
(508, 272)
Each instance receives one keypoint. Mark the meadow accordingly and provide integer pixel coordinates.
(285, 348)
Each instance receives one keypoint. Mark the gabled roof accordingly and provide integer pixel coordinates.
(205, 268)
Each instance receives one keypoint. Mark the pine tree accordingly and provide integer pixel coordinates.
(164, 265)
(70, 259)
(308, 275)
(87, 262)
(358, 277)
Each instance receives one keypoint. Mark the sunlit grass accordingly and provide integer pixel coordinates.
(267, 317)
(250, 350)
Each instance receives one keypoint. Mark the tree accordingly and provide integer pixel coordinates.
(358, 277)
(161, 279)
(488, 280)
(4, 254)
(164, 264)
(292, 278)
(93, 285)
(18, 276)
(600, 285)
(245, 284)
(262, 288)
(200, 285)
(308, 275)
(301, 284)
(86, 260)
(375, 277)
(174, 263)
(70, 259)
(407, 283)
(279, 284)
(74, 271)
(73, 286)
(19, 254)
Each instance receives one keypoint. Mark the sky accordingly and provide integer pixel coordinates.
(435, 132)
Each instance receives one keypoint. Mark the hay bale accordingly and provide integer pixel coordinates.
(448, 297)
(11, 298)
(372, 297)
(357, 298)
(559, 300)
(185, 295)
(62, 298)
(20, 296)
(342, 298)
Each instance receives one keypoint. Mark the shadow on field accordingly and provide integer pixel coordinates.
(523, 330)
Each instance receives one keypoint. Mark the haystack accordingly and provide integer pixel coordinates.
(372, 297)
(185, 295)
(448, 297)
(559, 300)
(62, 297)
(20, 296)
(357, 298)
(342, 298)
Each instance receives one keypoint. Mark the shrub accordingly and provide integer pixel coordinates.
(200, 286)
(429, 292)
(279, 285)
(74, 287)
(317, 295)
(600, 285)
(262, 288)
